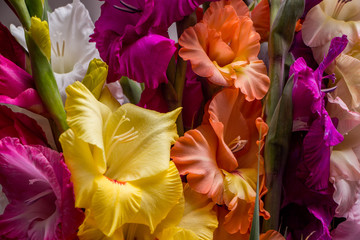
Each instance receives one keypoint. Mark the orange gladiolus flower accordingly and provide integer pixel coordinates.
(220, 157)
(224, 46)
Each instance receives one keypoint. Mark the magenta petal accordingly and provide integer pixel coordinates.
(28, 99)
(146, 60)
(192, 98)
(153, 99)
(314, 170)
(20, 126)
(33, 184)
(13, 79)
(10, 48)
(305, 95)
(337, 45)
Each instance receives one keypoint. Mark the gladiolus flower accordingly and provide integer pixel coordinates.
(41, 200)
(112, 147)
(224, 46)
(219, 158)
(70, 29)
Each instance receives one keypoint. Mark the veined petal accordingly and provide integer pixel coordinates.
(138, 137)
(85, 114)
(124, 199)
(349, 68)
(160, 193)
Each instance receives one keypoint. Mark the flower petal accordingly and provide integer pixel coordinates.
(130, 142)
(195, 156)
(124, 200)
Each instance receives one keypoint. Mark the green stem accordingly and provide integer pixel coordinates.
(22, 12)
(46, 84)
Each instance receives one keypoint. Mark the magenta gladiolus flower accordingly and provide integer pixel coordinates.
(310, 115)
(308, 167)
(132, 37)
(41, 201)
(17, 87)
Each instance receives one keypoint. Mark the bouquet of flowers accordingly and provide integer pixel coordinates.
(243, 126)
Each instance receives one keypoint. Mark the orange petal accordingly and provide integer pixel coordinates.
(261, 18)
(195, 155)
(219, 51)
(247, 45)
(194, 42)
(239, 6)
(252, 79)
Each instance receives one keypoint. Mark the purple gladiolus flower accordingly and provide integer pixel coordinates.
(309, 164)
(132, 37)
(41, 201)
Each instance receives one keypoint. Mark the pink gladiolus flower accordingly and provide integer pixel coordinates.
(41, 201)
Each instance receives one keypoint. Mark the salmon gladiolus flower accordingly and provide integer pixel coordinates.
(224, 46)
(220, 158)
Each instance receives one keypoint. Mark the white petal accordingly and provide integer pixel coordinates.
(19, 35)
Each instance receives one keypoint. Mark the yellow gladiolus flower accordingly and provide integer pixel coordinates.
(119, 161)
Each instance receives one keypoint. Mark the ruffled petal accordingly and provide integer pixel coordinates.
(146, 60)
(195, 156)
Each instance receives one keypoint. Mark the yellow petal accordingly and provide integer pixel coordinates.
(95, 77)
(80, 157)
(85, 115)
(89, 231)
(114, 204)
(160, 193)
(107, 99)
(138, 142)
(39, 31)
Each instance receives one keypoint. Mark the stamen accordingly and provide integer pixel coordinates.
(63, 48)
(237, 144)
(339, 6)
(127, 136)
(37, 196)
(127, 8)
(58, 48)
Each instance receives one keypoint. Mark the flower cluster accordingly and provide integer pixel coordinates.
(231, 130)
